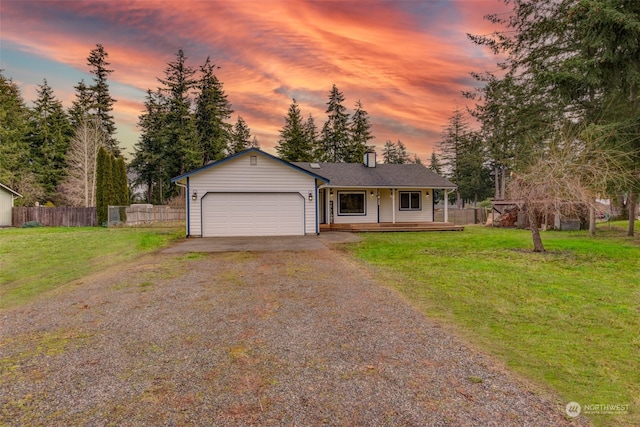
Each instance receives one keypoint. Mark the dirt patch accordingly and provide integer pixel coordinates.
(261, 338)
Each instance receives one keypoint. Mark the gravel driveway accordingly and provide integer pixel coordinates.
(293, 338)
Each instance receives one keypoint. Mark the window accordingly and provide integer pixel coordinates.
(410, 200)
(351, 203)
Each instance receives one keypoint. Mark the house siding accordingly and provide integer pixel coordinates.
(238, 175)
(386, 206)
(6, 203)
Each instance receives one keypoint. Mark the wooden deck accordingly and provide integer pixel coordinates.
(388, 226)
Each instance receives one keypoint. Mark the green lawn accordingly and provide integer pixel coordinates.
(36, 260)
(569, 319)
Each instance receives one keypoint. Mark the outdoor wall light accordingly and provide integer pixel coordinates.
(194, 196)
(310, 196)
(426, 193)
(372, 194)
(331, 192)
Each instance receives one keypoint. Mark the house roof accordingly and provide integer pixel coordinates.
(311, 172)
(15, 194)
(383, 175)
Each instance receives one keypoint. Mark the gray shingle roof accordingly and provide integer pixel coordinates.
(383, 175)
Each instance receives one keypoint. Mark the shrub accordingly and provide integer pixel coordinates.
(31, 224)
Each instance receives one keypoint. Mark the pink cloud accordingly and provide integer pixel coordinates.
(409, 79)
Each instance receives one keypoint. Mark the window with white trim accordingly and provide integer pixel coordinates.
(352, 203)
(410, 200)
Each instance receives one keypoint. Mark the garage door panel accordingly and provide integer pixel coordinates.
(252, 214)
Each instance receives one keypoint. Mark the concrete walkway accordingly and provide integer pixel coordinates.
(262, 244)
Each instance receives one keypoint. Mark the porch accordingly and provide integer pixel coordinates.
(389, 226)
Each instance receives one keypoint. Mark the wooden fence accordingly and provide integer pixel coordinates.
(463, 216)
(145, 215)
(54, 217)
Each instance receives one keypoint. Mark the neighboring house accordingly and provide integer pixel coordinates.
(253, 193)
(7, 196)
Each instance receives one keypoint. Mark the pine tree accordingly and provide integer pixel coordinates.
(49, 136)
(455, 137)
(360, 135)
(15, 170)
(121, 183)
(81, 106)
(212, 112)
(102, 104)
(335, 132)
(183, 151)
(240, 137)
(294, 144)
(311, 136)
(149, 160)
(395, 153)
(434, 163)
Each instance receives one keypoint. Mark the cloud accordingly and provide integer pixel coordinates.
(406, 61)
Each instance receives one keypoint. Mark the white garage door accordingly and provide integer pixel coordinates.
(252, 214)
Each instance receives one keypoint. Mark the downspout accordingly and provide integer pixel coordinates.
(186, 187)
(317, 205)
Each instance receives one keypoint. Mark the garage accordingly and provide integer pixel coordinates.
(252, 214)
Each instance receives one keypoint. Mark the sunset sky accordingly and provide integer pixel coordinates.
(406, 61)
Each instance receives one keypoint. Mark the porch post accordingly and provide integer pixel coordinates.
(446, 205)
(393, 206)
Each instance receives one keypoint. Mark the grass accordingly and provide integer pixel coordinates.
(34, 261)
(569, 318)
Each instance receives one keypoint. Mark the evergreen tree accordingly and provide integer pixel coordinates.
(311, 136)
(240, 137)
(474, 179)
(294, 144)
(81, 106)
(102, 104)
(254, 143)
(335, 132)
(149, 160)
(360, 132)
(212, 112)
(182, 150)
(568, 62)
(455, 137)
(121, 183)
(49, 136)
(15, 170)
(434, 163)
(395, 153)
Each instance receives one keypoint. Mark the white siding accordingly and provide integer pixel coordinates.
(6, 203)
(238, 175)
(423, 215)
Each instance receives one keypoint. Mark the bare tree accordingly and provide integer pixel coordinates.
(79, 186)
(566, 178)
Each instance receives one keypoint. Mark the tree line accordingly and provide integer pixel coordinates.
(557, 121)
(52, 155)
(49, 154)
